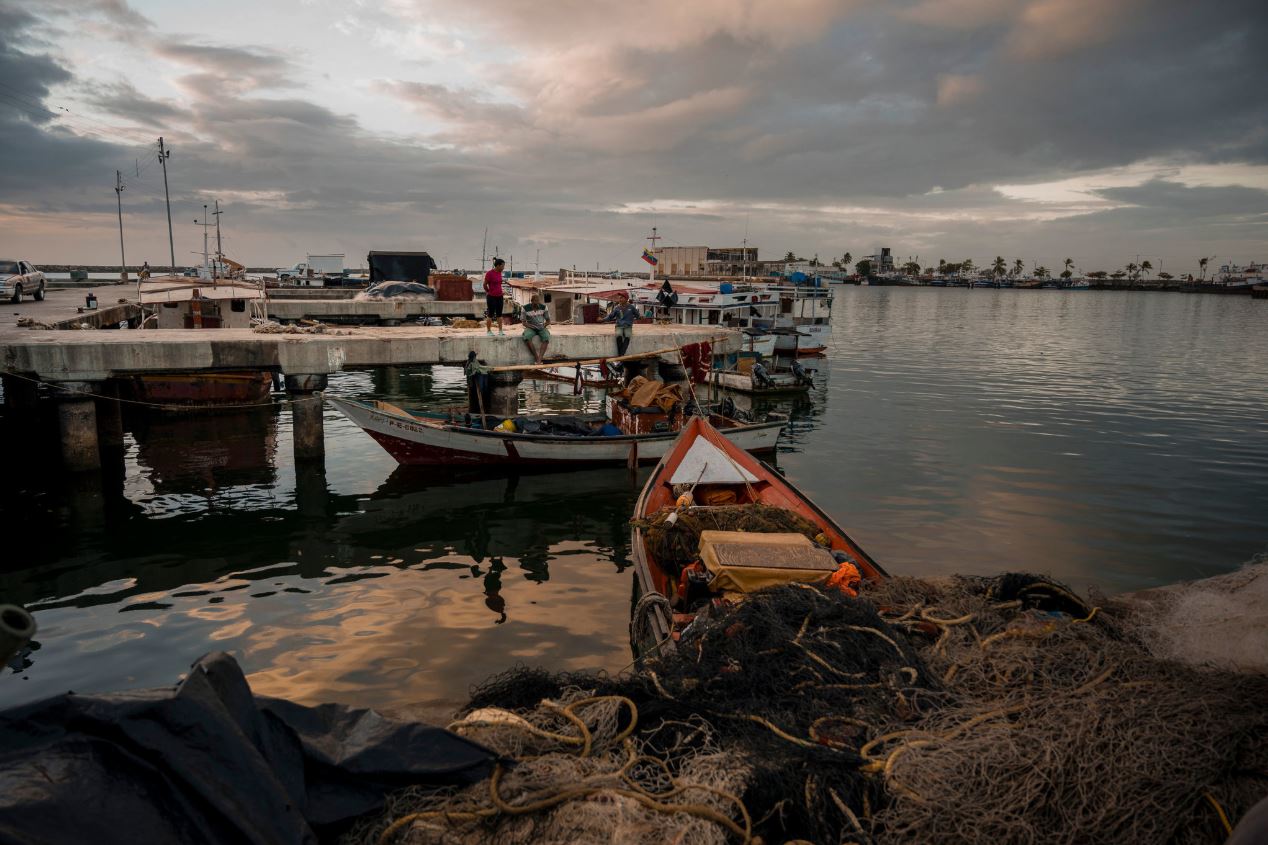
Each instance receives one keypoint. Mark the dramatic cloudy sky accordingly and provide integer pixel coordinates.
(1095, 129)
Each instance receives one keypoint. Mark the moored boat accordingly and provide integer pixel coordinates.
(751, 377)
(713, 523)
(545, 440)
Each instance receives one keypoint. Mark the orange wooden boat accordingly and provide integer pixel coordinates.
(713, 474)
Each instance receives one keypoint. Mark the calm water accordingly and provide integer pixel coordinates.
(1110, 439)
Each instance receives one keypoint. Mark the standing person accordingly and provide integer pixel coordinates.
(623, 314)
(493, 296)
(535, 322)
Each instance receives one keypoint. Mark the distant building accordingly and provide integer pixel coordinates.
(705, 260)
(882, 262)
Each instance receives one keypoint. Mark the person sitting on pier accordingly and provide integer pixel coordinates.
(623, 314)
(493, 296)
(535, 322)
(145, 270)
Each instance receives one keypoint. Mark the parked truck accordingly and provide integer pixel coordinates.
(18, 278)
(317, 270)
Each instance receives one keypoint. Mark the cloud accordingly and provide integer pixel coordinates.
(958, 88)
(571, 126)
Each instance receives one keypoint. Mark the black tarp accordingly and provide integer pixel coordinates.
(399, 266)
(209, 762)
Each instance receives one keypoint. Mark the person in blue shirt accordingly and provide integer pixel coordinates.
(623, 314)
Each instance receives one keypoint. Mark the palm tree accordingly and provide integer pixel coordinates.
(1165, 276)
(942, 265)
(967, 267)
(1202, 267)
(1041, 272)
(1145, 267)
(1000, 267)
(1069, 264)
(846, 259)
(1018, 268)
(1131, 270)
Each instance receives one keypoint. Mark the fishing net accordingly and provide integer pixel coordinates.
(677, 544)
(999, 709)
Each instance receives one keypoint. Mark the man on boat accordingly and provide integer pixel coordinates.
(535, 322)
(623, 314)
(493, 296)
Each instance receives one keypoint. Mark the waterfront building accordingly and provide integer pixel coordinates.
(705, 260)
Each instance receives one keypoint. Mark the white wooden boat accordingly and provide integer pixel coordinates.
(438, 441)
(778, 383)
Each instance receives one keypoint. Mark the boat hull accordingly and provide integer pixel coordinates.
(198, 390)
(416, 442)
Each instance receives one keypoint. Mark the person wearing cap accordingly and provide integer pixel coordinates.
(535, 322)
(623, 314)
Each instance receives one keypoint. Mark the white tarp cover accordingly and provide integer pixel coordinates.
(706, 463)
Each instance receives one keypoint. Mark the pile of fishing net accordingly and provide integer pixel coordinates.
(1000, 710)
(675, 543)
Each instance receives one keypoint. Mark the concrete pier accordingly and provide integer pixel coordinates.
(96, 356)
(77, 423)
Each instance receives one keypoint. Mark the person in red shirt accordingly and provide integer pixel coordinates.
(493, 296)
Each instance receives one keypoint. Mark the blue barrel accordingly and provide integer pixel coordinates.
(726, 287)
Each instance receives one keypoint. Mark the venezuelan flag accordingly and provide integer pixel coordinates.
(649, 258)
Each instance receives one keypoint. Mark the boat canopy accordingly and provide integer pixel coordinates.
(705, 463)
(179, 289)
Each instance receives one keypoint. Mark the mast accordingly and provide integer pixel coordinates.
(163, 156)
(219, 253)
(484, 249)
(204, 223)
(654, 238)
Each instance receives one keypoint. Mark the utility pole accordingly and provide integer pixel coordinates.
(164, 155)
(118, 193)
(484, 249)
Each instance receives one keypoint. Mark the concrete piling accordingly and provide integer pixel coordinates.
(109, 418)
(77, 422)
(308, 431)
(504, 400)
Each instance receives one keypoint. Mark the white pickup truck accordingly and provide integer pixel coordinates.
(315, 269)
(18, 278)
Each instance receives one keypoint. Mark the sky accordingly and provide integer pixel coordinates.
(1106, 131)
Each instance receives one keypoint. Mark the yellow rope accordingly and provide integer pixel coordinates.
(1228, 828)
